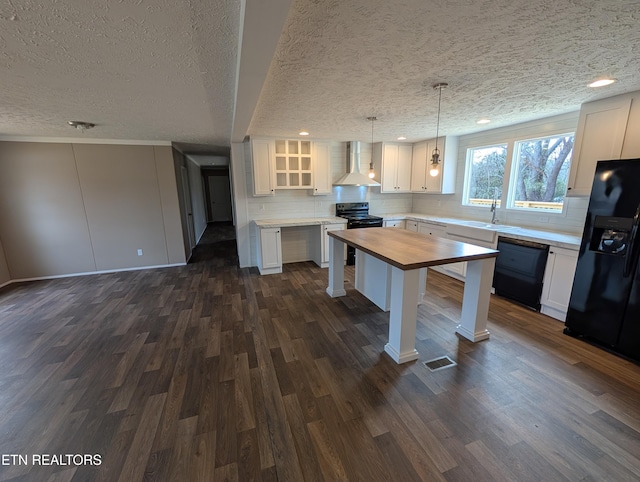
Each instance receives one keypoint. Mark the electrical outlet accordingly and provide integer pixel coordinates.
(543, 219)
(139, 252)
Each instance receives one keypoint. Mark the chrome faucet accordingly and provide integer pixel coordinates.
(494, 204)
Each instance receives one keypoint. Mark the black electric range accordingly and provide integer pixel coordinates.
(357, 216)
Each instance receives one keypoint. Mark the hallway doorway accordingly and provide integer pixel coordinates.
(217, 244)
(217, 192)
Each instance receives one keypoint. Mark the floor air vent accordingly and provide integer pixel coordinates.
(440, 363)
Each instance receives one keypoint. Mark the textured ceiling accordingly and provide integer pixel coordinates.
(165, 70)
(143, 70)
(339, 62)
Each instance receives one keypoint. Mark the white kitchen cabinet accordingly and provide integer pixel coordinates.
(557, 283)
(270, 252)
(263, 167)
(455, 270)
(480, 237)
(444, 182)
(325, 240)
(600, 135)
(394, 223)
(411, 225)
(392, 163)
(432, 229)
(321, 168)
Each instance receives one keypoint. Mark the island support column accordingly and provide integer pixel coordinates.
(336, 268)
(403, 315)
(475, 302)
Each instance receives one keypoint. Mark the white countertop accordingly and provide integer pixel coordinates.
(283, 223)
(561, 240)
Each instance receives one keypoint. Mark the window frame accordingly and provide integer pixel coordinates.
(511, 193)
(539, 129)
(468, 169)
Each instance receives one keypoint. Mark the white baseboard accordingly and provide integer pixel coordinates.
(89, 273)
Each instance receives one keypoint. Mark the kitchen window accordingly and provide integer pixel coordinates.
(540, 173)
(485, 175)
(536, 170)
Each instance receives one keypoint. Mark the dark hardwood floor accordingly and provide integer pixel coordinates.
(211, 372)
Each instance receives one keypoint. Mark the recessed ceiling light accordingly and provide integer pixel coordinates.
(601, 82)
(304, 133)
(402, 138)
(484, 120)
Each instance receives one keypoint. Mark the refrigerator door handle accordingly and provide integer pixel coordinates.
(632, 256)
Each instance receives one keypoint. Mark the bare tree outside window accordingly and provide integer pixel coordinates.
(539, 175)
(542, 172)
(486, 166)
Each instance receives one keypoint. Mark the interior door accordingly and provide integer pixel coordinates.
(220, 198)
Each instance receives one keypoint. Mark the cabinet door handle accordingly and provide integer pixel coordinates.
(551, 252)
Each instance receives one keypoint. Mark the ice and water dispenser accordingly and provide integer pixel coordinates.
(611, 235)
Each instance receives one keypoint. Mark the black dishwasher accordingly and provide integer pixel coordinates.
(519, 271)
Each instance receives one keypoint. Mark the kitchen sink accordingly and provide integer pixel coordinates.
(483, 225)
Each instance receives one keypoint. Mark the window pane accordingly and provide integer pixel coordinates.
(486, 172)
(541, 172)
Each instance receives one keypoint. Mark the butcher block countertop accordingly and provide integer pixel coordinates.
(408, 250)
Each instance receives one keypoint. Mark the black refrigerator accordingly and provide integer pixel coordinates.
(605, 299)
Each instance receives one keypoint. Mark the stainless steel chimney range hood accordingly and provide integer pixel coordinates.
(354, 177)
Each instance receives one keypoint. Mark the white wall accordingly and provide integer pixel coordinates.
(450, 205)
(240, 180)
(197, 199)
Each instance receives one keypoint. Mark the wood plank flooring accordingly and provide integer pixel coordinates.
(211, 372)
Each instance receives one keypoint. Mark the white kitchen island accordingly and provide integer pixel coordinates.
(407, 252)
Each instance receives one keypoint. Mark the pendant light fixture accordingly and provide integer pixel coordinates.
(372, 173)
(435, 155)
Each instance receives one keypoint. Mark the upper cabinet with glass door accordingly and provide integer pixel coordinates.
(293, 164)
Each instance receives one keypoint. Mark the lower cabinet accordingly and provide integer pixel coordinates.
(432, 229)
(479, 237)
(411, 225)
(270, 251)
(558, 281)
(315, 249)
(394, 223)
(455, 270)
(325, 241)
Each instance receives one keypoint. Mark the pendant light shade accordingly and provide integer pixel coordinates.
(372, 172)
(435, 155)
